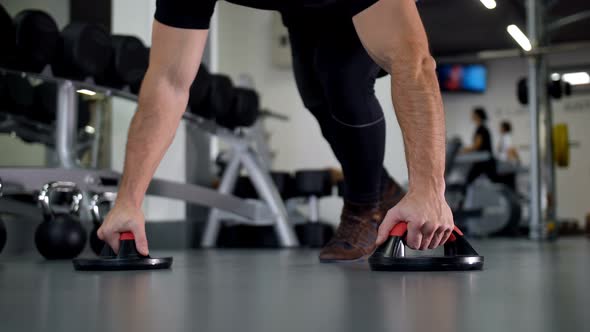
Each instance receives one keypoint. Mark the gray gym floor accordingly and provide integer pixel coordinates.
(526, 286)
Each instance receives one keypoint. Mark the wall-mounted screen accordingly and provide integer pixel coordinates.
(462, 77)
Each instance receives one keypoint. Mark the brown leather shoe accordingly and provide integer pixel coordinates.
(356, 234)
(391, 195)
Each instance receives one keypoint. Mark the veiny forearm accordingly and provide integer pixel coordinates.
(419, 109)
(152, 130)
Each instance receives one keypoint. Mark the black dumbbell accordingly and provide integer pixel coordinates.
(313, 184)
(2, 226)
(199, 94)
(18, 94)
(555, 89)
(29, 41)
(6, 37)
(316, 183)
(127, 65)
(60, 235)
(144, 57)
(84, 50)
(244, 111)
(221, 95)
(96, 203)
(2, 235)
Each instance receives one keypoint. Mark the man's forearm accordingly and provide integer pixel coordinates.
(152, 130)
(419, 109)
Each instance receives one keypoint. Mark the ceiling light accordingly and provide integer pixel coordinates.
(555, 77)
(89, 130)
(576, 78)
(490, 4)
(86, 92)
(520, 37)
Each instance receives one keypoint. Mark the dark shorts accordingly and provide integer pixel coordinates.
(196, 14)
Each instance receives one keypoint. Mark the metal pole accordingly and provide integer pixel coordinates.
(314, 210)
(66, 124)
(535, 223)
(98, 119)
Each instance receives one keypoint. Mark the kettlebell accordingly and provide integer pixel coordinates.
(97, 200)
(2, 235)
(60, 235)
(2, 227)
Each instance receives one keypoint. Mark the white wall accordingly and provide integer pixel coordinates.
(245, 40)
(58, 9)
(501, 103)
(135, 17)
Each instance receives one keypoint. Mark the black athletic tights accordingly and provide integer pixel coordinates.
(336, 77)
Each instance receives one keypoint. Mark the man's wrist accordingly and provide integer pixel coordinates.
(129, 198)
(432, 185)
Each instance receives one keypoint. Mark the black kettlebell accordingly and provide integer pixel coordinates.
(95, 203)
(2, 227)
(2, 235)
(60, 235)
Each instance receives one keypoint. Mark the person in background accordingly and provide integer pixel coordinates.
(482, 142)
(508, 158)
(506, 150)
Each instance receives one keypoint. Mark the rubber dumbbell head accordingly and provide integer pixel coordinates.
(20, 94)
(7, 40)
(37, 36)
(199, 94)
(128, 62)
(244, 110)
(2, 226)
(313, 183)
(2, 235)
(84, 50)
(285, 184)
(221, 95)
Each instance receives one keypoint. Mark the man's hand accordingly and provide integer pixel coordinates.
(429, 218)
(124, 218)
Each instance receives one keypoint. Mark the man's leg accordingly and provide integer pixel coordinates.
(306, 46)
(336, 79)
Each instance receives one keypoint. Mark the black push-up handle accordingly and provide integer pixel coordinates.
(459, 255)
(128, 258)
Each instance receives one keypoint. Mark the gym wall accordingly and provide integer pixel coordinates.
(245, 46)
(501, 103)
(59, 9)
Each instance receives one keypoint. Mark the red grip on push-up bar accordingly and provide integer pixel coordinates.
(400, 229)
(126, 236)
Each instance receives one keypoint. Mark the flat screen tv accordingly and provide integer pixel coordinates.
(462, 77)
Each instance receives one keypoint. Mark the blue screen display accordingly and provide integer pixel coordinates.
(461, 77)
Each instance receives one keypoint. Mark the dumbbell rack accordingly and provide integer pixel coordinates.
(30, 179)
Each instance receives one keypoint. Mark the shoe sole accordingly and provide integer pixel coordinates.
(344, 261)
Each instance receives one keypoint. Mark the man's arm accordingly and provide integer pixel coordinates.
(174, 60)
(393, 35)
